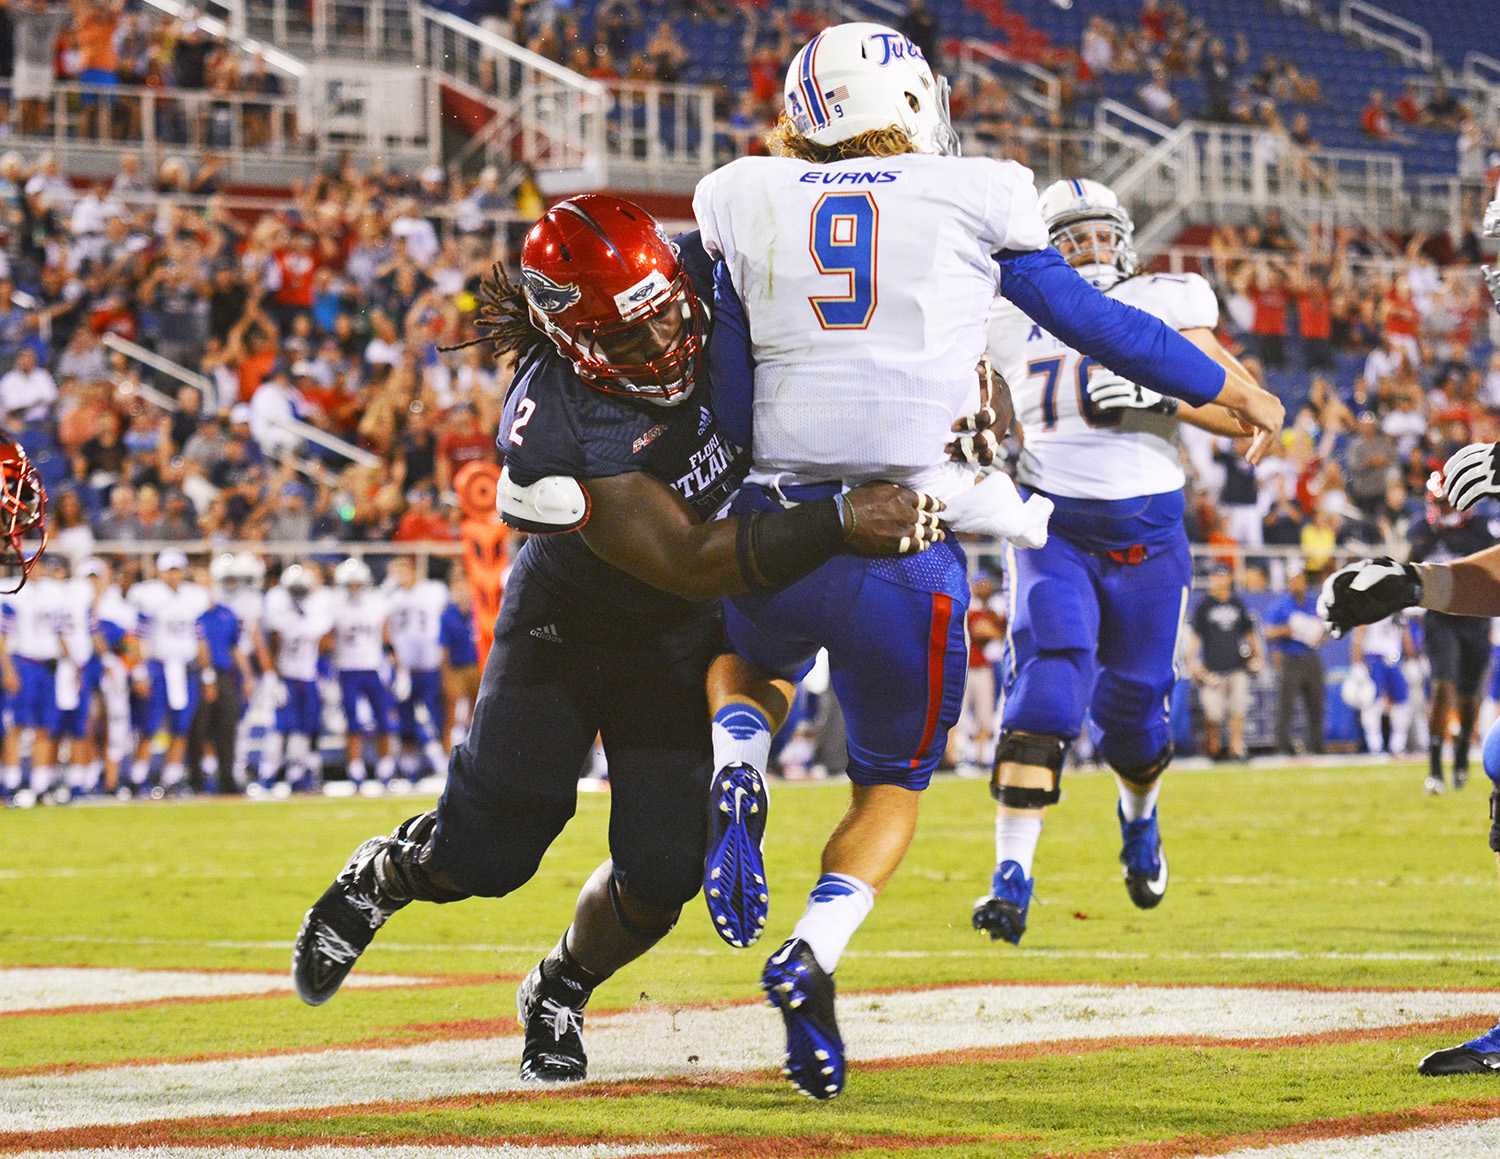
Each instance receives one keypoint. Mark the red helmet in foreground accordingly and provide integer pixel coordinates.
(23, 509)
(605, 285)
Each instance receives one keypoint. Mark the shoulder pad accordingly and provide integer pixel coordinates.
(550, 506)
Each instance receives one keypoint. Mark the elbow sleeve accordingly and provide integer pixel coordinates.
(1132, 343)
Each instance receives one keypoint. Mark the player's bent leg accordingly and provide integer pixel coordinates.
(748, 707)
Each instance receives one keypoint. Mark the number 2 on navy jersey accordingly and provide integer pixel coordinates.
(843, 241)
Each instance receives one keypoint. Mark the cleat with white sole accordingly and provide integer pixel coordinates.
(734, 882)
(1144, 863)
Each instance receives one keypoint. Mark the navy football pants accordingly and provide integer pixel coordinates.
(554, 679)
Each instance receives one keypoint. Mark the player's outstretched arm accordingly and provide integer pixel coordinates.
(1369, 590)
(1134, 344)
(641, 526)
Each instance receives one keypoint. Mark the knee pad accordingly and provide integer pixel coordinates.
(1145, 775)
(1025, 748)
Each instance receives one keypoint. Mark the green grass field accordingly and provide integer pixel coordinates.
(1305, 879)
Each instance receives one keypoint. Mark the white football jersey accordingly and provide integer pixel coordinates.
(31, 620)
(1066, 448)
(168, 619)
(1383, 640)
(867, 284)
(114, 608)
(247, 604)
(300, 626)
(75, 614)
(359, 631)
(416, 615)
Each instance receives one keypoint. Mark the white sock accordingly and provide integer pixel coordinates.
(270, 757)
(437, 756)
(741, 736)
(385, 768)
(835, 907)
(1369, 719)
(210, 767)
(1016, 835)
(409, 764)
(41, 779)
(1400, 727)
(357, 770)
(1136, 802)
(173, 774)
(12, 776)
(95, 775)
(78, 777)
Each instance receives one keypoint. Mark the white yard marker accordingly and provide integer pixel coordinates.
(1470, 1140)
(705, 1042)
(54, 987)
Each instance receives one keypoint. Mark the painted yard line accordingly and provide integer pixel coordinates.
(1326, 1133)
(32, 990)
(498, 1150)
(1470, 1139)
(707, 1043)
(985, 953)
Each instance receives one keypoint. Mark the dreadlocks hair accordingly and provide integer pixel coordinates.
(503, 318)
(784, 141)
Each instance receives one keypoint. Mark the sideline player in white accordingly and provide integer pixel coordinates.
(416, 616)
(114, 620)
(295, 624)
(244, 593)
(78, 671)
(33, 647)
(1383, 647)
(359, 642)
(176, 657)
(1369, 590)
(1096, 612)
(860, 266)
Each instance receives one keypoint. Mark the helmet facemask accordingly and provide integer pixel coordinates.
(1098, 243)
(650, 354)
(23, 510)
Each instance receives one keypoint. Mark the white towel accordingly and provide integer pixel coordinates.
(176, 673)
(67, 685)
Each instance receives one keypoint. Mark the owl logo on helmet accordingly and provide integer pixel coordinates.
(23, 510)
(546, 295)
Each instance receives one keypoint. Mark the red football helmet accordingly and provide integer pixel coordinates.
(604, 283)
(23, 508)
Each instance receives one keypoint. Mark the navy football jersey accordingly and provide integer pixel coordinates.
(553, 424)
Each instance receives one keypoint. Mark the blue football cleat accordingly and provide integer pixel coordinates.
(1477, 1056)
(1144, 862)
(1002, 915)
(800, 988)
(734, 873)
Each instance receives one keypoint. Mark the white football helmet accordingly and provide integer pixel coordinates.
(353, 572)
(224, 570)
(852, 78)
(297, 580)
(1074, 209)
(250, 568)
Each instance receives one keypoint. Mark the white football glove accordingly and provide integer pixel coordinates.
(1108, 391)
(994, 507)
(1468, 476)
(1491, 275)
(274, 690)
(1366, 592)
(1491, 227)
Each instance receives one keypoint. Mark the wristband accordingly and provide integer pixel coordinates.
(1434, 586)
(776, 547)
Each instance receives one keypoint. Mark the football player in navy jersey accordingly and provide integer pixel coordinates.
(616, 463)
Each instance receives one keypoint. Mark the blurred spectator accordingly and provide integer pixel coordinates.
(921, 28)
(1295, 632)
(27, 391)
(1225, 652)
(1371, 454)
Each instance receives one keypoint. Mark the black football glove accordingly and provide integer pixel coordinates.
(1366, 592)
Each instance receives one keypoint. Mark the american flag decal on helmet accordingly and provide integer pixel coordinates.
(839, 94)
(546, 295)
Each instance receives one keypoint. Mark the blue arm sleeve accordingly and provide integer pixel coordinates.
(1134, 344)
(731, 366)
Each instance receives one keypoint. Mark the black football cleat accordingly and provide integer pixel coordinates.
(804, 992)
(341, 924)
(1144, 863)
(1477, 1056)
(1002, 912)
(553, 1020)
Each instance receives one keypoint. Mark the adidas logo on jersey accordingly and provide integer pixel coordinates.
(705, 419)
(547, 632)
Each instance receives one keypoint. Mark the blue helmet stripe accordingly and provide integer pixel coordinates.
(816, 109)
(1077, 186)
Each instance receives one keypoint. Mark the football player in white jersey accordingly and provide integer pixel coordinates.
(359, 642)
(246, 599)
(1096, 612)
(416, 615)
(1383, 647)
(296, 622)
(78, 671)
(114, 622)
(34, 646)
(860, 264)
(176, 657)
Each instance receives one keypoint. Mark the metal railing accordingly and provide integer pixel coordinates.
(1450, 203)
(361, 29)
(1027, 81)
(1481, 68)
(282, 62)
(1370, 24)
